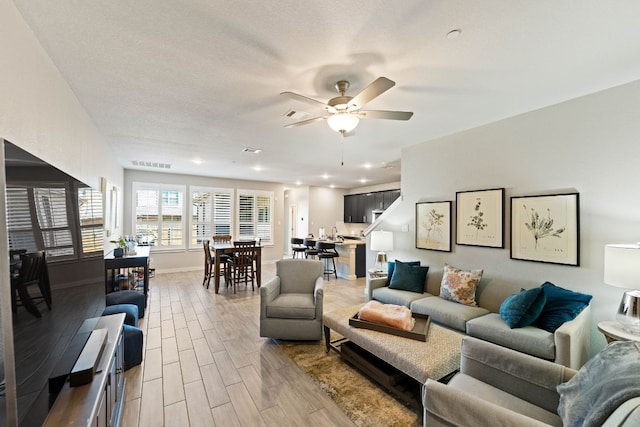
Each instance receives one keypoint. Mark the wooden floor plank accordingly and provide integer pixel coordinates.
(205, 361)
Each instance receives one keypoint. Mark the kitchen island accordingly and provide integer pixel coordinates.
(351, 263)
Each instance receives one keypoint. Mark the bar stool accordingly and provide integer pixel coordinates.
(327, 251)
(310, 245)
(297, 247)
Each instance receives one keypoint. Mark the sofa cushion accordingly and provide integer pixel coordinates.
(292, 306)
(449, 313)
(459, 285)
(522, 309)
(391, 266)
(397, 297)
(561, 306)
(529, 339)
(408, 277)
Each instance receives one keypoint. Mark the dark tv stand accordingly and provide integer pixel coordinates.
(99, 402)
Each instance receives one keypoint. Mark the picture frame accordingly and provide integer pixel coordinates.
(546, 228)
(480, 218)
(433, 226)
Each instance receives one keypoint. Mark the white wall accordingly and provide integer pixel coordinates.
(326, 208)
(183, 260)
(590, 145)
(40, 113)
(298, 197)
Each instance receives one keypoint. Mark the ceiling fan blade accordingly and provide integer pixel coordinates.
(382, 114)
(305, 99)
(376, 88)
(306, 122)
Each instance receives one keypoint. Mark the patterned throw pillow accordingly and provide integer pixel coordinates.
(459, 285)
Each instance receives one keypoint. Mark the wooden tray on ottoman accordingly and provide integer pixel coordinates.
(418, 333)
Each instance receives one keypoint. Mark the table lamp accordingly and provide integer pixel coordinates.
(622, 269)
(381, 241)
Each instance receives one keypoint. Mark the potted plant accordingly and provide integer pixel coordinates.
(118, 251)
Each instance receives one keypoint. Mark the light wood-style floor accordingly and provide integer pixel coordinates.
(205, 363)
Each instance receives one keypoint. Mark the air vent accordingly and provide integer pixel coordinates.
(297, 115)
(252, 150)
(151, 164)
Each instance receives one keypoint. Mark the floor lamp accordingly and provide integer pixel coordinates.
(622, 269)
(381, 241)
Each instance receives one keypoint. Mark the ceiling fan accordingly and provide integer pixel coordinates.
(344, 112)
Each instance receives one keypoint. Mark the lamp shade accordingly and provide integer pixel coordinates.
(382, 241)
(622, 266)
(343, 122)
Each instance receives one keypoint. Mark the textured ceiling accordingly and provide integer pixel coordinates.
(173, 81)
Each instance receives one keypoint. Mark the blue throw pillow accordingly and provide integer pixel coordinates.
(522, 309)
(561, 306)
(392, 265)
(408, 277)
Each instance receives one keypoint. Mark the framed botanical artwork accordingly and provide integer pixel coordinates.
(433, 226)
(546, 228)
(480, 218)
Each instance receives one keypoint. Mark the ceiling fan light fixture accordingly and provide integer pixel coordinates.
(343, 122)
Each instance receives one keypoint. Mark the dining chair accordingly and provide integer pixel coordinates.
(219, 240)
(241, 263)
(208, 263)
(33, 271)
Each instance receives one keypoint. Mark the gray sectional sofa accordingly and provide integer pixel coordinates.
(568, 345)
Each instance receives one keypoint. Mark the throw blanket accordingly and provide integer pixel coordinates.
(601, 385)
(397, 316)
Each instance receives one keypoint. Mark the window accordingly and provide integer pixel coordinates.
(255, 211)
(210, 214)
(158, 215)
(91, 221)
(51, 210)
(19, 222)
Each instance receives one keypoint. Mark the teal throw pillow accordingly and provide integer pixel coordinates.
(522, 309)
(391, 265)
(408, 277)
(561, 306)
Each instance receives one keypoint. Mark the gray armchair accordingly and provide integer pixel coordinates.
(497, 386)
(291, 302)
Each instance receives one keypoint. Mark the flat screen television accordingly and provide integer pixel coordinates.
(68, 226)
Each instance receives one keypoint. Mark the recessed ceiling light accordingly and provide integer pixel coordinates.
(367, 165)
(252, 150)
(198, 161)
(454, 34)
(363, 180)
(298, 183)
(332, 186)
(257, 168)
(325, 176)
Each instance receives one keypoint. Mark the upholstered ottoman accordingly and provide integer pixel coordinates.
(128, 297)
(130, 311)
(132, 341)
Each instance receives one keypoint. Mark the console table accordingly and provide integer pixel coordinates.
(100, 402)
(139, 260)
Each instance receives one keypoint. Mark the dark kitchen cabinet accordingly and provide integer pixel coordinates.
(389, 197)
(358, 208)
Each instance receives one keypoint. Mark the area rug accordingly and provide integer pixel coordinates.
(364, 402)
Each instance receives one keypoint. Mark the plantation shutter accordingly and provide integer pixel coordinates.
(222, 213)
(51, 210)
(201, 216)
(91, 221)
(246, 226)
(20, 230)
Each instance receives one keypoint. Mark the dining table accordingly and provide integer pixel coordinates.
(218, 249)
